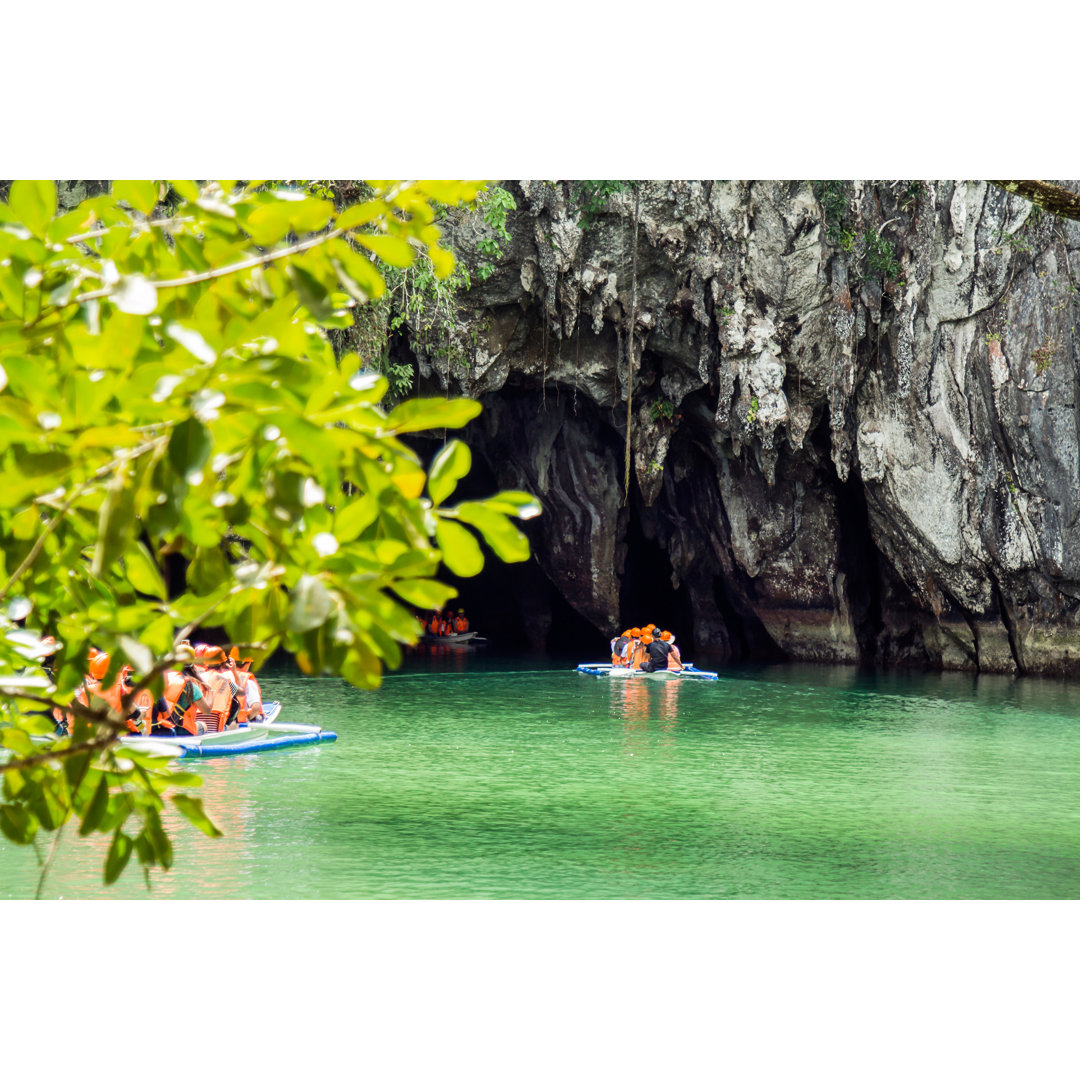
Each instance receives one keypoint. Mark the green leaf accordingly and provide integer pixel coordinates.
(519, 504)
(140, 194)
(360, 214)
(425, 593)
(391, 249)
(451, 463)
(424, 414)
(460, 550)
(352, 520)
(143, 572)
(193, 810)
(17, 824)
(96, 810)
(503, 538)
(34, 203)
(189, 448)
(188, 190)
(360, 272)
(117, 859)
(115, 521)
(310, 605)
(313, 294)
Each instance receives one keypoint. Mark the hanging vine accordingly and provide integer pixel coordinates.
(630, 351)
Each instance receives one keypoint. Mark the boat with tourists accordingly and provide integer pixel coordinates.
(248, 738)
(646, 652)
(615, 671)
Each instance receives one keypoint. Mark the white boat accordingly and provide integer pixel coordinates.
(617, 672)
(469, 638)
(244, 739)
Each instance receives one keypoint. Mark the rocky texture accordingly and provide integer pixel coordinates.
(841, 461)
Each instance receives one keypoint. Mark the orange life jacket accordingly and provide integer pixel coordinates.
(674, 660)
(175, 681)
(244, 679)
(216, 700)
(113, 696)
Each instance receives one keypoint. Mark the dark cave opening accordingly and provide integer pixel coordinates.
(646, 594)
(857, 554)
(515, 605)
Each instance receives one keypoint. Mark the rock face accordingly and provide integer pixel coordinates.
(854, 412)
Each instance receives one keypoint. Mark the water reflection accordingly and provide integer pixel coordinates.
(639, 701)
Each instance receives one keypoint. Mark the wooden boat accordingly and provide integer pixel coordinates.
(246, 739)
(688, 672)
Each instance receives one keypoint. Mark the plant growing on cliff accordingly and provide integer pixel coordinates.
(834, 198)
(881, 260)
(1043, 356)
(494, 203)
(167, 388)
(662, 410)
(591, 197)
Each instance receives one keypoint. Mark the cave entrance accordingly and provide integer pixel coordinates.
(646, 594)
(515, 605)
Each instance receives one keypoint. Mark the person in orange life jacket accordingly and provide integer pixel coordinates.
(461, 624)
(641, 653)
(226, 698)
(433, 624)
(241, 673)
(114, 694)
(174, 713)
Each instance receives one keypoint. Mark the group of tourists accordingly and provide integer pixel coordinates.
(646, 648)
(444, 623)
(213, 691)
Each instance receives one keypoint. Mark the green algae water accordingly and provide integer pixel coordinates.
(477, 778)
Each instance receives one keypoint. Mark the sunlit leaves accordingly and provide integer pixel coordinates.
(460, 551)
(33, 203)
(140, 194)
(450, 464)
(169, 398)
(422, 414)
(193, 810)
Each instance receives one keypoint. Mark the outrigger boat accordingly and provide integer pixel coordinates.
(688, 672)
(470, 638)
(245, 739)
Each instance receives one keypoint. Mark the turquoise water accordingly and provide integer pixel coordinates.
(474, 778)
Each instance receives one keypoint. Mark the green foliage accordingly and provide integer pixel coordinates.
(495, 203)
(167, 387)
(881, 259)
(591, 197)
(662, 410)
(911, 196)
(834, 197)
(751, 414)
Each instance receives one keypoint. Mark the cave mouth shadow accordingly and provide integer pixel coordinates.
(646, 593)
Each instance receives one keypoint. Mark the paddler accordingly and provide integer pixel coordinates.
(662, 654)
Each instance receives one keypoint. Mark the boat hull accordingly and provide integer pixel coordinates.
(247, 739)
(610, 670)
(471, 638)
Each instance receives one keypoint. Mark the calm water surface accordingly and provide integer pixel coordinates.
(480, 778)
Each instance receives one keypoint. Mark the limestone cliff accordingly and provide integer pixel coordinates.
(854, 425)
